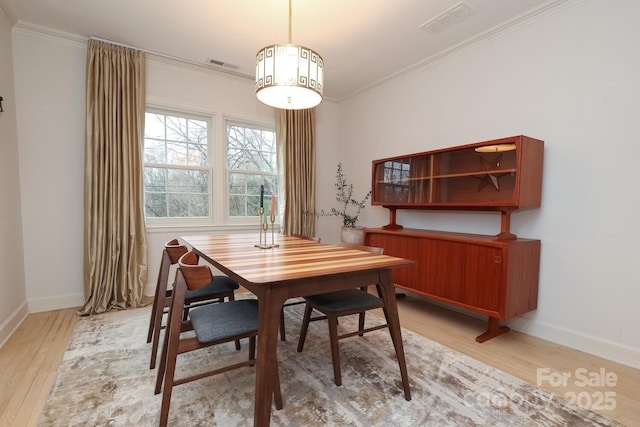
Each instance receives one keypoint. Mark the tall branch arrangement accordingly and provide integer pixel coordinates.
(349, 208)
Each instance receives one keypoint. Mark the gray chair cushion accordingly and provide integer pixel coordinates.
(214, 322)
(219, 284)
(349, 299)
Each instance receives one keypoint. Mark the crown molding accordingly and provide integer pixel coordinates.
(49, 33)
(8, 12)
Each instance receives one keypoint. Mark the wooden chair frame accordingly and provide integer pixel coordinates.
(191, 277)
(172, 252)
(332, 317)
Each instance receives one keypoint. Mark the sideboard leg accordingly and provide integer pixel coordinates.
(393, 225)
(493, 330)
(505, 226)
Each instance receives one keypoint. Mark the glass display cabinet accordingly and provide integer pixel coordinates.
(502, 175)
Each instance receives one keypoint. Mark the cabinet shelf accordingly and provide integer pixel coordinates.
(451, 175)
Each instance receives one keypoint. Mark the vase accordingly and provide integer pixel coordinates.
(352, 235)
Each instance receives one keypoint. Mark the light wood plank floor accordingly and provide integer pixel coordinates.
(30, 358)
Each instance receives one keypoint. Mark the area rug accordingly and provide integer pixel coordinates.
(104, 380)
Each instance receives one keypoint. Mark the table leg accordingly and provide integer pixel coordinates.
(391, 306)
(269, 307)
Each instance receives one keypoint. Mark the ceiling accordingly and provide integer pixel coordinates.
(362, 42)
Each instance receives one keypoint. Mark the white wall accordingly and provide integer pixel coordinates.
(13, 304)
(50, 88)
(570, 79)
(50, 83)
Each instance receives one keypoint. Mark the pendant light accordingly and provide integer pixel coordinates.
(289, 76)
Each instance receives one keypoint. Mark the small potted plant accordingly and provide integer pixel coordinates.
(348, 209)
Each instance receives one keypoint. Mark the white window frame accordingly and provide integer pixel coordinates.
(218, 172)
(252, 219)
(210, 120)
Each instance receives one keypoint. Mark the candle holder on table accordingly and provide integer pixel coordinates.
(264, 228)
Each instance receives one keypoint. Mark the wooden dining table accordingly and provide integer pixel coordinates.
(296, 267)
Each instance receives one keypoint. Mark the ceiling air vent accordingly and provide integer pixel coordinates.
(222, 64)
(448, 18)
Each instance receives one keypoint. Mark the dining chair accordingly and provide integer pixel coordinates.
(212, 324)
(343, 303)
(283, 335)
(221, 287)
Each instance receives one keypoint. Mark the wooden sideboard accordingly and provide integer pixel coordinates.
(497, 275)
(498, 279)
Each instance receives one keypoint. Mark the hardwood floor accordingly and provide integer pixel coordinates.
(29, 362)
(30, 358)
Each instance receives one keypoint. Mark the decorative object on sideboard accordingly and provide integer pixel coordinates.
(349, 209)
(289, 76)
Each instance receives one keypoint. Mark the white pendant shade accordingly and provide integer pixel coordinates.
(289, 77)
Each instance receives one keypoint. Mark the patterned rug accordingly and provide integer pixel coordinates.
(104, 379)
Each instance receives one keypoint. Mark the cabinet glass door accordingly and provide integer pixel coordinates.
(403, 180)
(474, 175)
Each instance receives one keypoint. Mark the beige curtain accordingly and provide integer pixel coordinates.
(115, 240)
(296, 140)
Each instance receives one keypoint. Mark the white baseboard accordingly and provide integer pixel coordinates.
(9, 326)
(38, 305)
(599, 347)
(149, 290)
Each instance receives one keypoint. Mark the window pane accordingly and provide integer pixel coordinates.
(176, 128)
(154, 126)
(154, 151)
(253, 206)
(237, 206)
(155, 205)
(197, 155)
(237, 184)
(155, 179)
(178, 205)
(269, 183)
(178, 181)
(197, 131)
(176, 153)
(232, 156)
(199, 205)
(244, 194)
(200, 182)
(251, 161)
(176, 174)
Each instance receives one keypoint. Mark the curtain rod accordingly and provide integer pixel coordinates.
(172, 58)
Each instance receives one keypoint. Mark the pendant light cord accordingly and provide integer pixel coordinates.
(289, 21)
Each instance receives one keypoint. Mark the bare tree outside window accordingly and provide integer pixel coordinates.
(176, 177)
(179, 173)
(251, 162)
